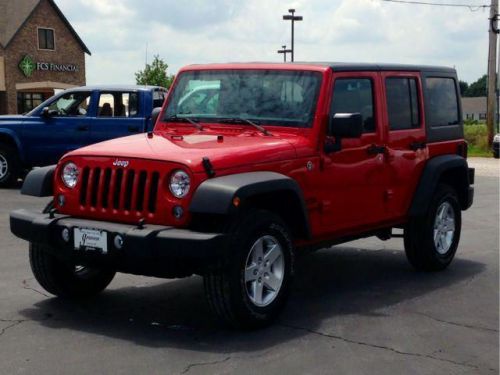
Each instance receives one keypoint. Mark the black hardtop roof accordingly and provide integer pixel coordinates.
(346, 66)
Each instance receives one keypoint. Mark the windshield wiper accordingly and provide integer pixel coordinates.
(241, 120)
(175, 118)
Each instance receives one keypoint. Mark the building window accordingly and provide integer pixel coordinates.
(482, 116)
(26, 101)
(46, 39)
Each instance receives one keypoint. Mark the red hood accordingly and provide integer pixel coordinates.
(231, 151)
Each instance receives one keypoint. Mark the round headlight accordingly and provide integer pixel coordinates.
(179, 183)
(70, 174)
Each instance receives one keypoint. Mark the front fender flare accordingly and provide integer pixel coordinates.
(215, 195)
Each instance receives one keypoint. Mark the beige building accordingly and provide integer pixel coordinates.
(474, 108)
(39, 52)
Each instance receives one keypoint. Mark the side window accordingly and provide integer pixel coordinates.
(402, 103)
(442, 102)
(158, 98)
(118, 104)
(71, 104)
(355, 95)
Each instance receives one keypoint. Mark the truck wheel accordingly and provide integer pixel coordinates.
(250, 287)
(67, 280)
(9, 166)
(431, 241)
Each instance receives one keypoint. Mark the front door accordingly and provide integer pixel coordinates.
(354, 178)
(66, 129)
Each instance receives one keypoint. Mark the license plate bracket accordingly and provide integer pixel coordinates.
(91, 240)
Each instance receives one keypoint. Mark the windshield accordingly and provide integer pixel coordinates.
(285, 98)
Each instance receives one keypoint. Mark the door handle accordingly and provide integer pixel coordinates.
(417, 146)
(376, 149)
(133, 128)
(82, 128)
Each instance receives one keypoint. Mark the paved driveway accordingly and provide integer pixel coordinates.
(355, 309)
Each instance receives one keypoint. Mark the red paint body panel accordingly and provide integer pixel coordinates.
(346, 192)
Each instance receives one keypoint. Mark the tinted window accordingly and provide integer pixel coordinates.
(354, 96)
(117, 104)
(274, 97)
(45, 39)
(71, 104)
(442, 102)
(402, 103)
(158, 98)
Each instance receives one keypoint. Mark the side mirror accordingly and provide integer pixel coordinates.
(343, 125)
(346, 125)
(154, 115)
(47, 113)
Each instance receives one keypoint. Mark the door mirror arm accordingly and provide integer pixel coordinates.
(333, 146)
(47, 113)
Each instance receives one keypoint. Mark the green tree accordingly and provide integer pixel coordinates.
(463, 87)
(155, 74)
(477, 88)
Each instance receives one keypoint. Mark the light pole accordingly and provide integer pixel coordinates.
(284, 51)
(292, 17)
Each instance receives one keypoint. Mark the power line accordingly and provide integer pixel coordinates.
(471, 7)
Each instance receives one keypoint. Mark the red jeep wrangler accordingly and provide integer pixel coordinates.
(250, 165)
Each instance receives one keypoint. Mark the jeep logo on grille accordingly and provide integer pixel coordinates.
(121, 163)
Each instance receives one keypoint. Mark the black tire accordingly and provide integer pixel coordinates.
(67, 280)
(10, 166)
(225, 285)
(496, 154)
(420, 246)
(63, 279)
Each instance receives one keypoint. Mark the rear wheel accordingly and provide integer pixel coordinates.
(10, 165)
(250, 287)
(431, 241)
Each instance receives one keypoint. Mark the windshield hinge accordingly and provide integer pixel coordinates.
(209, 170)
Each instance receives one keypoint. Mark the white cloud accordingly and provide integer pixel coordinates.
(186, 32)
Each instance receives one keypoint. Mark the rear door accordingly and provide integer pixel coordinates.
(117, 115)
(406, 142)
(353, 180)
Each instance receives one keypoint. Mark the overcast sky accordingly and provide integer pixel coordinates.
(198, 31)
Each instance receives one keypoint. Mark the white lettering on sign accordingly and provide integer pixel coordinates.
(45, 66)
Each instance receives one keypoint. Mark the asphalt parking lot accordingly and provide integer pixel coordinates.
(357, 308)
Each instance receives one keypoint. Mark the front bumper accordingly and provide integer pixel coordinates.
(152, 250)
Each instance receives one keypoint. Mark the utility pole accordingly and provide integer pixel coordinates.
(284, 51)
(492, 67)
(292, 17)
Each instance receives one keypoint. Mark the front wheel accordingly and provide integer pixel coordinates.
(431, 241)
(64, 279)
(250, 287)
(9, 166)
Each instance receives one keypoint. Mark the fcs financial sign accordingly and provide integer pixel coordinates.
(27, 65)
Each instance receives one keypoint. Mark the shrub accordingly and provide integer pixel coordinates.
(476, 136)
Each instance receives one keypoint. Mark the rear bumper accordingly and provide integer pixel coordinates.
(152, 250)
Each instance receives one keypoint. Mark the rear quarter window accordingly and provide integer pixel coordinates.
(442, 102)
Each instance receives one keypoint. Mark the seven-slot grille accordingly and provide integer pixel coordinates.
(119, 189)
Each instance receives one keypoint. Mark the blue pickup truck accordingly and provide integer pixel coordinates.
(72, 119)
